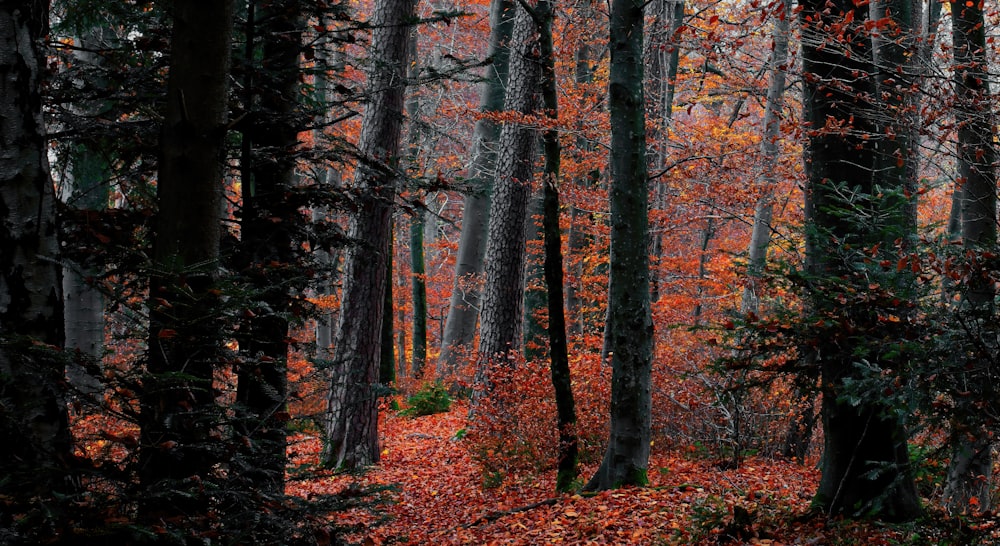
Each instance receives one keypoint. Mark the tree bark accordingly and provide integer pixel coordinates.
(566, 471)
(971, 464)
(865, 466)
(178, 411)
(503, 291)
(463, 310)
(35, 443)
(760, 238)
(630, 325)
(352, 417)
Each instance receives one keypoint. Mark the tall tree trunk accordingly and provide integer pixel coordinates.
(503, 291)
(267, 240)
(418, 282)
(352, 420)
(629, 331)
(760, 238)
(665, 52)
(387, 356)
(178, 411)
(865, 467)
(86, 188)
(463, 310)
(558, 351)
(972, 462)
(35, 443)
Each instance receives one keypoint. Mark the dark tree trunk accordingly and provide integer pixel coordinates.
(865, 467)
(35, 443)
(463, 311)
(178, 422)
(553, 264)
(972, 462)
(629, 332)
(352, 420)
(267, 240)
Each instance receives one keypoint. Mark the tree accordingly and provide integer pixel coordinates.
(760, 238)
(267, 233)
(865, 466)
(503, 291)
(35, 442)
(179, 440)
(972, 461)
(629, 329)
(553, 262)
(463, 310)
(352, 420)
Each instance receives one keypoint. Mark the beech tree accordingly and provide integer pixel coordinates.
(629, 328)
(352, 420)
(865, 466)
(971, 460)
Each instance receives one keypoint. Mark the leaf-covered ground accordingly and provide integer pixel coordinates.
(439, 498)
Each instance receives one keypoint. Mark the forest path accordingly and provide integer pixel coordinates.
(440, 499)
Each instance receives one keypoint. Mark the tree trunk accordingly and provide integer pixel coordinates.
(352, 420)
(463, 310)
(503, 291)
(178, 411)
(972, 463)
(630, 325)
(553, 266)
(267, 240)
(35, 443)
(865, 466)
(387, 356)
(418, 282)
(760, 238)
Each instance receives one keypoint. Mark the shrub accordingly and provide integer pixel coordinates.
(430, 399)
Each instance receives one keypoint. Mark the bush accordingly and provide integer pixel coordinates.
(430, 399)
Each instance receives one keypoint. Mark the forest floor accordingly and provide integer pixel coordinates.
(438, 498)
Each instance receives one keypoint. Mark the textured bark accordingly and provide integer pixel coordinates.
(352, 419)
(463, 310)
(178, 412)
(972, 462)
(865, 467)
(760, 238)
(629, 331)
(503, 291)
(267, 242)
(35, 443)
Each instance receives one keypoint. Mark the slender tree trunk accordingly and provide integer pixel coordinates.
(387, 356)
(178, 412)
(629, 331)
(760, 238)
(503, 291)
(35, 443)
(972, 463)
(418, 282)
(463, 311)
(352, 420)
(865, 466)
(558, 351)
(665, 53)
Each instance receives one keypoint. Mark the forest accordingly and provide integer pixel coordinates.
(283, 272)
